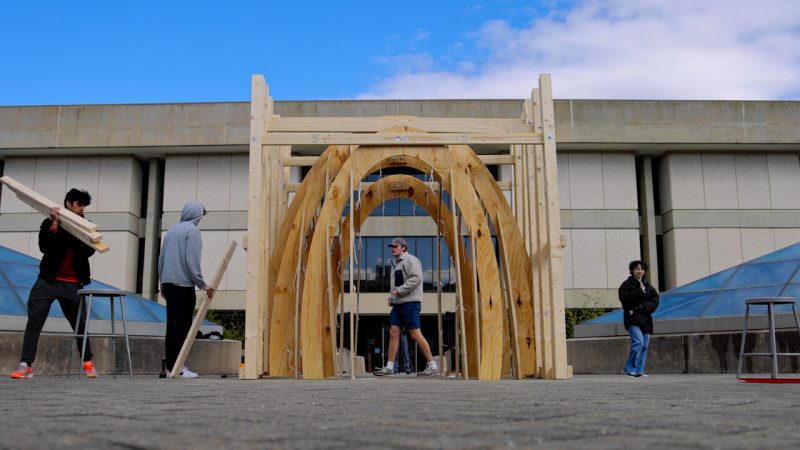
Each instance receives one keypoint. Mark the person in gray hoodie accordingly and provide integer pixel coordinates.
(179, 272)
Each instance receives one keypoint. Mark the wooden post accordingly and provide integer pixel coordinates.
(201, 313)
(556, 281)
(442, 368)
(297, 284)
(352, 255)
(255, 296)
(459, 292)
(512, 306)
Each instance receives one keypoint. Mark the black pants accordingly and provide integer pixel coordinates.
(39, 301)
(180, 307)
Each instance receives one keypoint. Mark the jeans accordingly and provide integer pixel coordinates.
(639, 342)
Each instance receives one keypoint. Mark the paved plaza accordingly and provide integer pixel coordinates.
(588, 411)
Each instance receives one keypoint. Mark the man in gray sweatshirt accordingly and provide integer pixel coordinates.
(406, 302)
(179, 273)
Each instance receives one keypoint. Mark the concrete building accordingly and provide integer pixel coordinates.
(691, 186)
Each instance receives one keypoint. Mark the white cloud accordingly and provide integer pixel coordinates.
(622, 49)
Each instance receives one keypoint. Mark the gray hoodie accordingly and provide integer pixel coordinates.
(407, 278)
(179, 262)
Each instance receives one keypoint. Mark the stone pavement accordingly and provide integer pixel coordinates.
(588, 411)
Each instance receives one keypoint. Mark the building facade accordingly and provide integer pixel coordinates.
(693, 187)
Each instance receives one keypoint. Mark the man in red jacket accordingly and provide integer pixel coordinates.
(63, 271)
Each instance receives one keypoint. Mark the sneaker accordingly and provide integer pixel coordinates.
(23, 372)
(428, 372)
(186, 373)
(632, 375)
(641, 375)
(383, 372)
(89, 370)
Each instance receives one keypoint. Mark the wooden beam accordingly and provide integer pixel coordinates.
(399, 139)
(256, 230)
(503, 185)
(304, 161)
(377, 124)
(459, 293)
(512, 306)
(201, 313)
(74, 224)
(558, 326)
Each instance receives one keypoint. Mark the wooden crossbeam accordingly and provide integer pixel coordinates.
(76, 225)
(201, 313)
(398, 139)
(377, 124)
(489, 160)
(503, 185)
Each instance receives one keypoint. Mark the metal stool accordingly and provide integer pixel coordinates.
(111, 295)
(770, 303)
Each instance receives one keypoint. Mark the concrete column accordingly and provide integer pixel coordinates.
(648, 215)
(155, 195)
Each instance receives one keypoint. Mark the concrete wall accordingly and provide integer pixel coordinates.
(721, 209)
(206, 357)
(685, 353)
(599, 217)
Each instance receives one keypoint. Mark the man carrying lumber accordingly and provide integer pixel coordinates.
(406, 302)
(64, 270)
(179, 273)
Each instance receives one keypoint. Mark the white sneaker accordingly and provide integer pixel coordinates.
(186, 373)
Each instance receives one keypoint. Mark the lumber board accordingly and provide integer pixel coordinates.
(302, 161)
(201, 313)
(74, 224)
(558, 326)
(377, 124)
(398, 139)
(459, 290)
(512, 306)
(494, 201)
(255, 314)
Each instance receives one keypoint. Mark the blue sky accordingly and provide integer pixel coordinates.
(180, 51)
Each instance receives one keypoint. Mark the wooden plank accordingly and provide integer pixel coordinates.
(459, 294)
(494, 200)
(201, 313)
(476, 299)
(329, 296)
(442, 366)
(298, 279)
(282, 264)
(46, 204)
(557, 320)
(303, 161)
(398, 139)
(254, 309)
(503, 185)
(377, 124)
(512, 306)
(352, 255)
(74, 224)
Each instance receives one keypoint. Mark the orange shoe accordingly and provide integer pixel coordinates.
(88, 369)
(23, 372)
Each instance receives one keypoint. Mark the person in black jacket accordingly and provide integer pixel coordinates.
(639, 301)
(64, 270)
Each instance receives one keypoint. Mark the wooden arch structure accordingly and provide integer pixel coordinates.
(510, 298)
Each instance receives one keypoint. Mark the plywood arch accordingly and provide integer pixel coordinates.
(316, 332)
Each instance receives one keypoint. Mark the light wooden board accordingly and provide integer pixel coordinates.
(201, 313)
(74, 224)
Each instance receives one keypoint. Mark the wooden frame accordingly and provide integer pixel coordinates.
(292, 296)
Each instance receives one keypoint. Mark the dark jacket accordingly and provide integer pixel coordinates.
(638, 305)
(54, 246)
